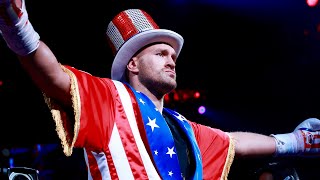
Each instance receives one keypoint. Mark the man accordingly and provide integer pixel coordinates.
(121, 122)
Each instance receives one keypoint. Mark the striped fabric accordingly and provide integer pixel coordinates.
(120, 164)
(127, 24)
(110, 124)
(126, 144)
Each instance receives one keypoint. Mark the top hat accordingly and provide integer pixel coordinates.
(131, 30)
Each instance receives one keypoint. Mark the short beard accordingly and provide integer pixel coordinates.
(157, 87)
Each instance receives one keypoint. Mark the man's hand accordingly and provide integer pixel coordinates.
(16, 29)
(304, 140)
(309, 134)
(11, 12)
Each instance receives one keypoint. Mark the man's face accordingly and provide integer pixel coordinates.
(156, 65)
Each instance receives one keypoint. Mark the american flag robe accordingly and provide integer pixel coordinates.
(124, 140)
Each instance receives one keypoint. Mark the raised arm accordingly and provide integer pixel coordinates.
(253, 144)
(303, 141)
(35, 56)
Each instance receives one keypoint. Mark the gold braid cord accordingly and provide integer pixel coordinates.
(229, 160)
(62, 120)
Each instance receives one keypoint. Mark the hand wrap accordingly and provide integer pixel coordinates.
(304, 140)
(16, 29)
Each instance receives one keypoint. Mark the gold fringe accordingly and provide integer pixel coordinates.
(60, 116)
(229, 160)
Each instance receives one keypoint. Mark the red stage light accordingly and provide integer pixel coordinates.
(312, 3)
(196, 95)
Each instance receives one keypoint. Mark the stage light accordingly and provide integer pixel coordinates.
(201, 110)
(167, 98)
(38, 147)
(312, 3)
(11, 161)
(176, 97)
(196, 94)
(185, 96)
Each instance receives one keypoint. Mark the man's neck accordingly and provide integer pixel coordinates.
(157, 101)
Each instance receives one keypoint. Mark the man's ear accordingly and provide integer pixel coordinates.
(132, 65)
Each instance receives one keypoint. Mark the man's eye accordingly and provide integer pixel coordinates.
(159, 54)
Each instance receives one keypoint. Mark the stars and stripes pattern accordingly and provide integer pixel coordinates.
(186, 128)
(160, 139)
(127, 156)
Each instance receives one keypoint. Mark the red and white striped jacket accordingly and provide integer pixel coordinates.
(107, 123)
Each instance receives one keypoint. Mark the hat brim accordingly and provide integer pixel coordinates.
(135, 43)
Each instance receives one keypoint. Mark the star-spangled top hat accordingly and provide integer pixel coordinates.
(129, 31)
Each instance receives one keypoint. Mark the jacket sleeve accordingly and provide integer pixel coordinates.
(92, 114)
(217, 151)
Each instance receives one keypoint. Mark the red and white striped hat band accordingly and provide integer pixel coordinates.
(131, 30)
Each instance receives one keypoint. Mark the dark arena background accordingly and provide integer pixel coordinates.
(245, 66)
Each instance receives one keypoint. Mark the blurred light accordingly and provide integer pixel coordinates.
(11, 162)
(4, 170)
(176, 97)
(201, 110)
(167, 98)
(16, 151)
(1, 82)
(196, 95)
(185, 96)
(312, 3)
(6, 152)
(38, 147)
